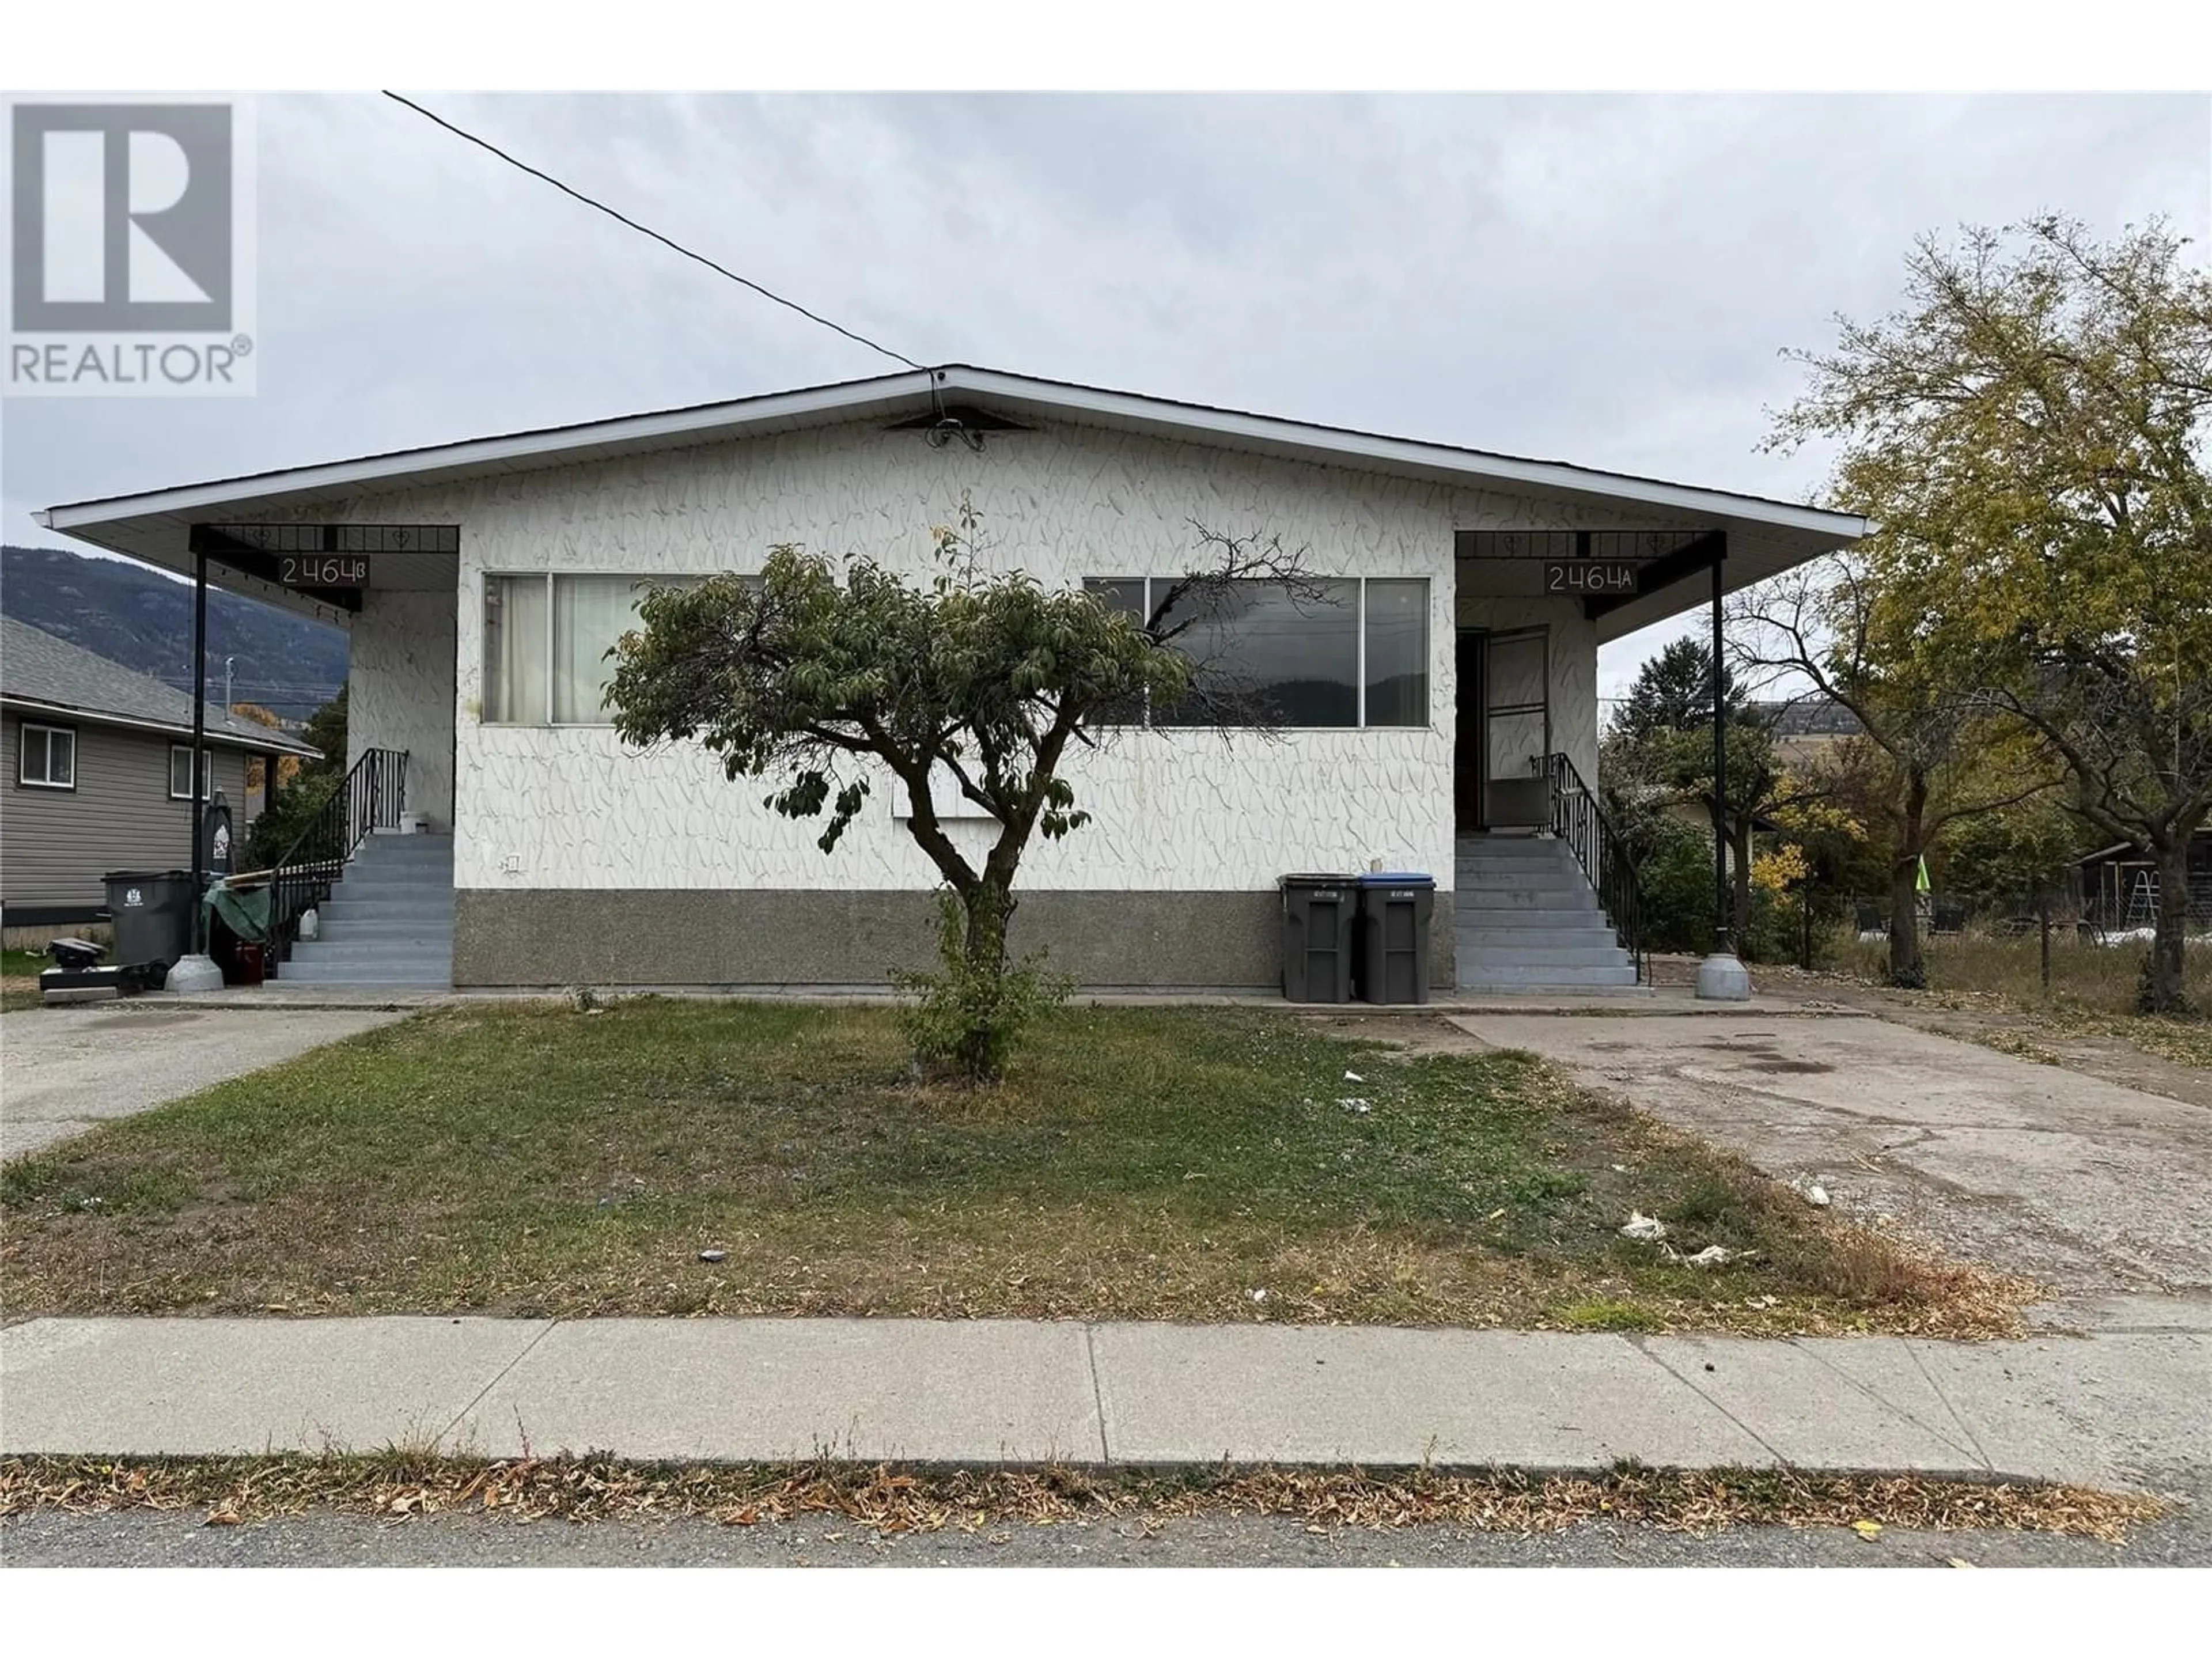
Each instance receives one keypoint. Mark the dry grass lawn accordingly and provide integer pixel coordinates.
(1145, 1164)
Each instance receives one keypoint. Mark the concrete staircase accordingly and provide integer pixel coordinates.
(1524, 918)
(388, 922)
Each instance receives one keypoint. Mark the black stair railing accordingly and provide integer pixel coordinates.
(1579, 821)
(371, 798)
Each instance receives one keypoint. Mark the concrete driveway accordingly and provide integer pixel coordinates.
(2093, 1189)
(63, 1070)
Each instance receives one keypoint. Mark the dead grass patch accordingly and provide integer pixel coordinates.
(892, 1499)
(1202, 1164)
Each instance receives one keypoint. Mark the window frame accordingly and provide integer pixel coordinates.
(206, 774)
(49, 732)
(549, 578)
(1145, 722)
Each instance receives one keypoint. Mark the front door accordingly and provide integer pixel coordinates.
(1504, 729)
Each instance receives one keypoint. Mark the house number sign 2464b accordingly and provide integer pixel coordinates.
(1590, 576)
(323, 569)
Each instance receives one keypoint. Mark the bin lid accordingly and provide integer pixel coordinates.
(147, 875)
(1397, 878)
(1310, 880)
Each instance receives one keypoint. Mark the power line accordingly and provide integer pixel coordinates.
(646, 230)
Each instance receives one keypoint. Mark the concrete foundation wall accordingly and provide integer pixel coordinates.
(685, 936)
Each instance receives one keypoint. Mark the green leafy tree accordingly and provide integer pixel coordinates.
(1928, 758)
(1660, 744)
(830, 677)
(2031, 430)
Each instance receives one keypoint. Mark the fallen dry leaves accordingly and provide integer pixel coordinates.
(893, 1500)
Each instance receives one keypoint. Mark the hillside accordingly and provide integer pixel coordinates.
(134, 615)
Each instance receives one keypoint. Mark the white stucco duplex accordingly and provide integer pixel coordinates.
(576, 858)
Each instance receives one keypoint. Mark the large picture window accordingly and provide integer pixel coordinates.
(545, 644)
(1335, 652)
(47, 757)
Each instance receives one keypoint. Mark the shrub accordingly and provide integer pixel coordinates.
(971, 1014)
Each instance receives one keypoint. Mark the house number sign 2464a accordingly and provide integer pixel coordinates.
(1590, 576)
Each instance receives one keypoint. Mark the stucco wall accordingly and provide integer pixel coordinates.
(400, 691)
(570, 807)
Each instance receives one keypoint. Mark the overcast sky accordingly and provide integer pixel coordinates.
(1602, 280)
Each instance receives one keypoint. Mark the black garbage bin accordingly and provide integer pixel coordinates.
(1394, 907)
(152, 915)
(1319, 913)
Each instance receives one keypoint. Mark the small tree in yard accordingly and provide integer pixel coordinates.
(2033, 434)
(1929, 758)
(824, 674)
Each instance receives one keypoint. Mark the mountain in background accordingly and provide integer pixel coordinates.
(133, 614)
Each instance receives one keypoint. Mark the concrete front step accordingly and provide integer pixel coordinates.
(1605, 954)
(1489, 975)
(1519, 921)
(369, 951)
(311, 973)
(395, 907)
(1534, 895)
(426, 930)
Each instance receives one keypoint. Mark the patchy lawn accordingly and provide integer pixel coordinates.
(1200, 1164)
(19, 979)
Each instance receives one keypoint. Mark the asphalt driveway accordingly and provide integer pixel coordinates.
(63, 1070)
(2095, 1189)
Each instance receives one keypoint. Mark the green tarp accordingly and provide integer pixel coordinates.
(244, 910)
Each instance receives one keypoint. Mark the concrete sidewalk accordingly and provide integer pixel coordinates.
(2114, 1409)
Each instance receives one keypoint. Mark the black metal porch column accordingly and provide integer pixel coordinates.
(199, 727)
(1724, 924)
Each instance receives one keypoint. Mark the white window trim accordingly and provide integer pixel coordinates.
(549, 577)
(207, 773)
(23, 777)
(1428, 646)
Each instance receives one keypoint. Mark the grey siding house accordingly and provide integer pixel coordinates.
(99, 775)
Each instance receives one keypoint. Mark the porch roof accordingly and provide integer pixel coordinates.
(1764, 536)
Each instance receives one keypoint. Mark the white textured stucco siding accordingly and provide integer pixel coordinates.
(570, 808)
(400, 691)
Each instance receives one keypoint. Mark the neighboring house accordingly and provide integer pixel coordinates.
(100, 775)
(1448, 689)
(2119, 884)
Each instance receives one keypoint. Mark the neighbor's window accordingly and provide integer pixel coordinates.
(181, 772)
(47, 757)
(1341, 651)
(545, 644)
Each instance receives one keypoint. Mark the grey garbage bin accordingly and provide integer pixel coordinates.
(1319, 913)
(1394, 907)
(152, 915)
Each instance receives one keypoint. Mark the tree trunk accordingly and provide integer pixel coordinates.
(1906, 967)
(2163, 992)
(990, 908)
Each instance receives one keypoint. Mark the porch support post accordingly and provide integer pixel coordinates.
(195, 970)
(1723, 932)
(199, 710)
(1721, 976)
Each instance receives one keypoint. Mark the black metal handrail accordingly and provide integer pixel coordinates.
(1579, 821)
(371, 798)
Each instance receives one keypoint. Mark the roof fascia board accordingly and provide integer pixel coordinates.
(275, 742)
(1403, 452)
(473, 453)
(1326, 442)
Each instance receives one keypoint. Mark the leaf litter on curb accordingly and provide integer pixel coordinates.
(892, 1499)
